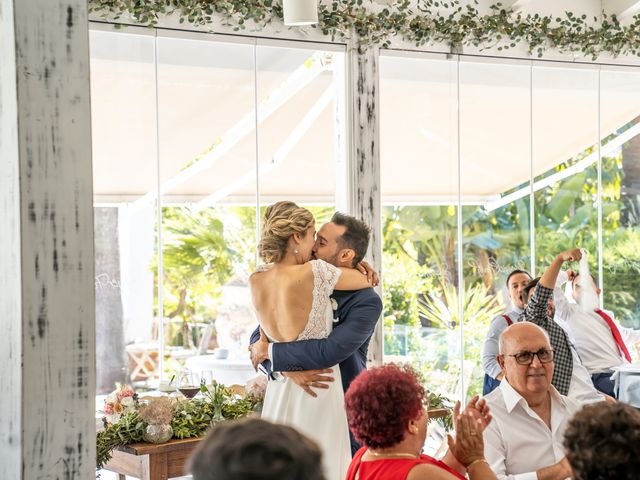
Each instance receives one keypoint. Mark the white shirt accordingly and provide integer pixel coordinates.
(517, 442)
(591, 334)
(581, 389)
(491, 343)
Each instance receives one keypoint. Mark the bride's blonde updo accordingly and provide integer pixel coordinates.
(281, 221)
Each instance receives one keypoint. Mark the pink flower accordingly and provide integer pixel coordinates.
(108, 409)
(128, 392)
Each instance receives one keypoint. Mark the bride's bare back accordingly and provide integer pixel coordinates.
(283, 297)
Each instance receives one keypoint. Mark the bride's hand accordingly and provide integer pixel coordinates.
(366, 269)
(259, 351)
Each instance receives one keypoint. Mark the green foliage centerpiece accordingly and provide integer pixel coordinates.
(189, 418)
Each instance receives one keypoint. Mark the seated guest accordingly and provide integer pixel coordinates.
(385, 408)
(254, 449)
(524, 440)
(516, 281)
(601, 342)
(603, 442)
(570, 377)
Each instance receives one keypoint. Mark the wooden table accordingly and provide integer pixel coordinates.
(438, 413)
(148, 461)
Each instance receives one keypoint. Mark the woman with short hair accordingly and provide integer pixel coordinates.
(386, 412)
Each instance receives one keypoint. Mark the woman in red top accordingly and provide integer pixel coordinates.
(385, 408)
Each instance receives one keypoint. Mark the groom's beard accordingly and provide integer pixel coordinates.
(333, 260)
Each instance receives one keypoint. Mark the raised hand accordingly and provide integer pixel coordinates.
(311, 378)
(572, 255)
(259, 351)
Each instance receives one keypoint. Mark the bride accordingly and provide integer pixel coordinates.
(291, 298)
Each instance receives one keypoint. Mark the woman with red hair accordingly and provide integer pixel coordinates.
(385, 408)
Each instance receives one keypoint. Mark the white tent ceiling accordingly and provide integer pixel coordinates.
(205, 89)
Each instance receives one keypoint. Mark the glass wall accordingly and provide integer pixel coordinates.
(125, 169)
(619, 128)
(540, 158)
(474, 154)
(565, 161)
(494, 172)
(419, 182)
(220, 128)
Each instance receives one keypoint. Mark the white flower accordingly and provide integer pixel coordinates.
(127, 401)
(111, 398)
(115, 418)
(334, 304)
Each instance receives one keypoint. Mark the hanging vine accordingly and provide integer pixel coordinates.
(428, 22)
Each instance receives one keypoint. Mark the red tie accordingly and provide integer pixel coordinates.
(616, 334)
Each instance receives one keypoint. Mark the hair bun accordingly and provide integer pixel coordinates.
(281, 221)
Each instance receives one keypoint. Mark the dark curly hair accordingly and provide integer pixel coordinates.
(602, 442)
(380, 402)
(254, 449)
(355, 236)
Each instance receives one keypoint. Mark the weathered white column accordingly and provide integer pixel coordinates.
(47, 365)
(364, 159)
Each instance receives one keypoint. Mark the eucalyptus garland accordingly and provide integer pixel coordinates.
(191, 418)
(427, 22)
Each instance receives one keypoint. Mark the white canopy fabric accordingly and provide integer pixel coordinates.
(206, 93)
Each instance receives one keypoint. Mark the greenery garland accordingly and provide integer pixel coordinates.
(191, 418)
(430, 22)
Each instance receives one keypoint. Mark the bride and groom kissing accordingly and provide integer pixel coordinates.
(317, 312)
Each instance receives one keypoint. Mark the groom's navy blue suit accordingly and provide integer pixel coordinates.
(355, 319)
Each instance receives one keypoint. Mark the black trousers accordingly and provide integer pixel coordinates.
(603, 383)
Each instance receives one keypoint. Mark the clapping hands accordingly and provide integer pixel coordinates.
(477, 408)
(468, 446)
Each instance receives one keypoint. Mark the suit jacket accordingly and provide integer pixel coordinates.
(355, 319)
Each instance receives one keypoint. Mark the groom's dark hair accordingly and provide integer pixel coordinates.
(254, 449)
(355, 237)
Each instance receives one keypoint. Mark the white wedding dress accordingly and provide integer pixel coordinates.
(322, 418)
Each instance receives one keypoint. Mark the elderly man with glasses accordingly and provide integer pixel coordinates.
(524, 440)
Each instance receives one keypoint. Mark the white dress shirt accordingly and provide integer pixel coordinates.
(491, 343)
(581, 389)
(591, 334)
(517, 442)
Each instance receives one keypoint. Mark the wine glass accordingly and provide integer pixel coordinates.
(189, 384)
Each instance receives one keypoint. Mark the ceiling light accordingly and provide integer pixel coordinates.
(300, 12)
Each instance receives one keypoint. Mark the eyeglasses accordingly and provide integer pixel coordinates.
(545, 355)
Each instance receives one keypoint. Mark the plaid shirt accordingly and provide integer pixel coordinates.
(536, 312)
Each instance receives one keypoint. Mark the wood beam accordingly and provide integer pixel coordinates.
(47, 319)
(365, 201)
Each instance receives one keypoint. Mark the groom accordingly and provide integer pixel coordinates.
(342, 242)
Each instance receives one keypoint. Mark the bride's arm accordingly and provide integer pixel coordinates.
(351, 279)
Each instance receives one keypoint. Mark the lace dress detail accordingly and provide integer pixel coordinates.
(325, 277)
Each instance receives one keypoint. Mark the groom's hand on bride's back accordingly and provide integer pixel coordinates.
(311, 379)
(259, 350)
